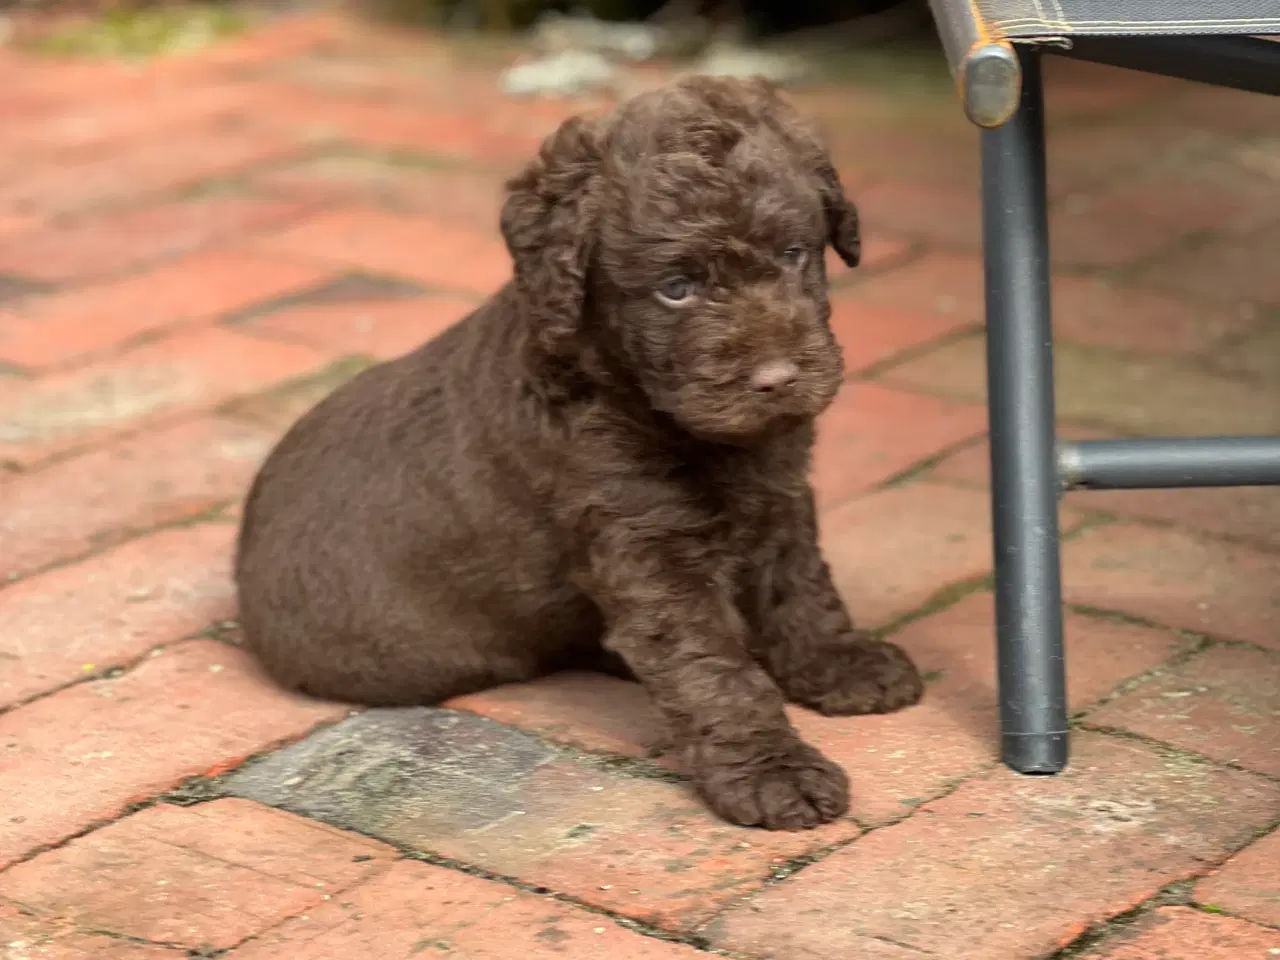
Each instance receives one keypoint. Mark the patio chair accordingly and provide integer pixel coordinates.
(994, 49)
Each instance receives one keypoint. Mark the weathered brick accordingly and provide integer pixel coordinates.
(85, 753)
(465, 788)
(500, 135)
(190, 371)
(461, 196)
(1246, 513)
(957, 648)
(1176, 933)
(935, 155)
(101, 246)
(100, 497)
(949, 284)
(1247, 885)
(892, 550)
(83, 126)
(378, 328)
(970, 466)
(24, 937)
(1222, 703)
(949, 214)
(1086, 310)
(56, 330)
(277, 409)
(1077, 89)
(862, 443)
(112, 608)
(1256, 356)
(1129, 393)
(440, 254)
(896, 761)
(590, 711)
(1176, 579)
(1233, 270)
(1230, 111)
(1119, 226)
(13, 224)
(414, 908)
(1086, 158)
(994, 870)
(203, 877)
(142, 166)
(1094, 311)
(870, 335)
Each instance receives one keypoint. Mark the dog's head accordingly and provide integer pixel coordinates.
(681, 240)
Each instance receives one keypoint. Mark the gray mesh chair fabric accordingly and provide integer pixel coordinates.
(1029, 19)
(979, 36)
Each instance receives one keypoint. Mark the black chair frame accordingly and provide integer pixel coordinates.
(1002, 91)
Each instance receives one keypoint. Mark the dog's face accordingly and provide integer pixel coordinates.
(710, 274)
(706, 210)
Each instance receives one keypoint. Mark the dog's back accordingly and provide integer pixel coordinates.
(396, 546)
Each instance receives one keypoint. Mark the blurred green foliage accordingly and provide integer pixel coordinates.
(135, 32)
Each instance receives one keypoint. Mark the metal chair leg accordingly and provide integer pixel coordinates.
(1024, 482)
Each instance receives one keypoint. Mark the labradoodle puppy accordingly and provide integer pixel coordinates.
(608, 459)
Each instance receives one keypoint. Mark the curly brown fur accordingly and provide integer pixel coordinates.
(608, 459)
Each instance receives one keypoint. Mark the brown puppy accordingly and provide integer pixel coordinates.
(610, 456)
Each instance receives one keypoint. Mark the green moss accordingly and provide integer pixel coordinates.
(135, 33)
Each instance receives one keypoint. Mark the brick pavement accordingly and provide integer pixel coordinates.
(193, 252)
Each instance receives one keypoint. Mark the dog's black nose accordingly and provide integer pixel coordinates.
(775, 375)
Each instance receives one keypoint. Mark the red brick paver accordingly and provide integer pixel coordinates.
(81, 620)
(23, 936)
(438, 254)
(415, 908)
(1176, 933)
(197, 248)
(871, 335)
(205, 877)
(1223, 704)
(876, 547)
(895, 762)
(54, 331)
(997, 869)
(191, 371)
(1241, 513)
(96, 247)
(84, 754)
(122, 489)
(1248, 885)
(1222, 589)
(140, 168)
(379, 328)
(861, 443)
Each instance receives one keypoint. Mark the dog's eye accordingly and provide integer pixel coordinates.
(676, 290)
(796, 256)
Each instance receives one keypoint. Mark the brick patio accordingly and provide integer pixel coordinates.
(194, 252)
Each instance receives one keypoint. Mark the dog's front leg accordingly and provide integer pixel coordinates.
(671, 616)
(807, 640)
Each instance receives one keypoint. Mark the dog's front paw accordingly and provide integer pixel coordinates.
(789, 787)
(865, 677)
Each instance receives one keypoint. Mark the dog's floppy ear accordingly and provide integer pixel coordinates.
(842, 216)
(548, 222)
